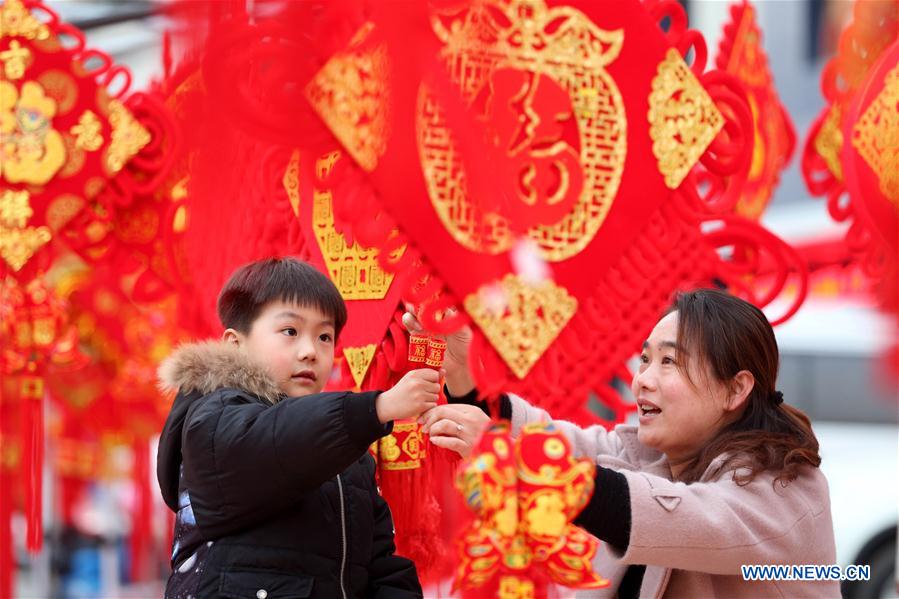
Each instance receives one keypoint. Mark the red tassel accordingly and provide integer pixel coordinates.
(6, 553)
(32, 394)
(414, 510)
(140, 517)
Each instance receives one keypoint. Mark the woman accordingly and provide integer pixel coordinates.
(719, 473)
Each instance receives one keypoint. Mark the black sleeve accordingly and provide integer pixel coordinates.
(389, 575)
(607, 516)
(471, 399)
(244, 460)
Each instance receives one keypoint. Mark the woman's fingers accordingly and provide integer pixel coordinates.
(447, 427)
(433, 415)
(454, 444)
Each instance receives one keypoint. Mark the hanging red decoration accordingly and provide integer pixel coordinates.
(65, 134)
(843, 163)
(741, 54)
(636, 217)
(525, 493)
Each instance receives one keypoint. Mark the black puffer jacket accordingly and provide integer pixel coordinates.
(275, 497)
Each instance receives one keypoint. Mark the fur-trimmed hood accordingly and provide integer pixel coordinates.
(210, 365)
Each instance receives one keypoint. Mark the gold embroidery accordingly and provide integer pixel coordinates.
(436, 353)
(62, 209)
(17, 21)
(389, 449)
(291, 182)
(61, 86)
(75, 158)
(10, 454)
(128, 137)
(138, 225)
(351, 94)
(876, 136)
(547, 515)
(829, 141)
(556, 52)
(15, 60)
(87, 132)
(31, 150)
(525, 503)
(353, 269)
(513, 587)
(521, 320)
(18, 243)
(359, 359)
(402, 449)
(683, 119)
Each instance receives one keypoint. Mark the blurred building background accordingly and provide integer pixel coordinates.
(831, 349)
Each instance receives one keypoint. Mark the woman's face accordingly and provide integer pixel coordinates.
(677, 416)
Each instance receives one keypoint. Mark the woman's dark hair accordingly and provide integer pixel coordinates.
(254, 285)
(727, 335)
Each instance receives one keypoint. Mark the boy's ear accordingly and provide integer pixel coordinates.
(231, 336)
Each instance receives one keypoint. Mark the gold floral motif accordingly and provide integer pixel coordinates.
(876, 136)
(31, 150)
(520, 319)
(351, 94)
(829, 141)
(128, 137)
(359, 359)
(18, 242)
(683, 119)
(87, 132)
(553, 49)
(15, 60)
(353, 269)
(17, 21)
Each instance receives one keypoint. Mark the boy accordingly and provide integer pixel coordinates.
(270, 478)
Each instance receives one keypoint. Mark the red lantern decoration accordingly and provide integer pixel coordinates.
(525, 493)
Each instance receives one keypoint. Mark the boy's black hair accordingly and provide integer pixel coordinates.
(254, 285)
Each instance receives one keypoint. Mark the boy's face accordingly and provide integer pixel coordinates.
(295, 344)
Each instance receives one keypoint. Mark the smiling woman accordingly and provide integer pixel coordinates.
(719, 472)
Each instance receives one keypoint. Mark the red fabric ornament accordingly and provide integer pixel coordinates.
(562, 337)
(741, 54)
(841, 162)
(65, 134)
(525, 493)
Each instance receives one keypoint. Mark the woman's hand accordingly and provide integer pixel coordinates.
(459, 381)
(455, 426)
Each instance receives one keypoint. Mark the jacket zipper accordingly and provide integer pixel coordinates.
(342, 537)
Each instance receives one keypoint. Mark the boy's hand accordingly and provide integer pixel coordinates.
(459, 381)
(416, 392)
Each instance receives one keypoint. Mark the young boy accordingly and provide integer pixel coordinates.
(271, 479)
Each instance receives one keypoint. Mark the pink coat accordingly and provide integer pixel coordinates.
(693, 538)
